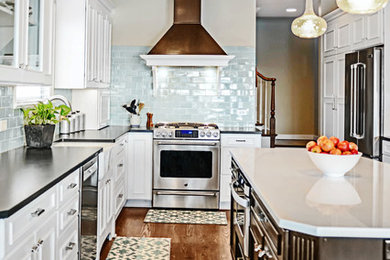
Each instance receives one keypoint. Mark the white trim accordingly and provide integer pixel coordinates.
(138, 204)
(296, 137)
(334, 14)
(188, 60)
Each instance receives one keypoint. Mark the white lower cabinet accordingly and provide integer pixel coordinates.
(229, 141)
(386, 151)
(37, 230)
(140, 160)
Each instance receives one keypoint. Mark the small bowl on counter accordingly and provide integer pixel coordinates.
(334, 165)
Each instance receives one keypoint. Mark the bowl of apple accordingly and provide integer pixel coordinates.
(332, 157)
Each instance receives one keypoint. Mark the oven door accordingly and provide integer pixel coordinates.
(186, 165)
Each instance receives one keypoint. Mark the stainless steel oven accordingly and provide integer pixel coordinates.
(186, 171)
(240, 214)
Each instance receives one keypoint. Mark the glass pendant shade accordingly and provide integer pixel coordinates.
(361, 6)
(309, 25)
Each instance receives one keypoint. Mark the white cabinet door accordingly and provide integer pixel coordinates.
(358, 31)
(46, 239)
(24, 250)
(344, 34)
(340, 77)
(374, 29)
(328, 118)
(330, 40)
(140, 160)
(329, 77)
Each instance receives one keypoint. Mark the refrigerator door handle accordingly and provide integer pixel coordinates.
(353, 98)
(358, 87)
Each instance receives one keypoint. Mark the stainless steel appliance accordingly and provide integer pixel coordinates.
(240, 214)
(186, 165)
(363, 99)
(89, 210)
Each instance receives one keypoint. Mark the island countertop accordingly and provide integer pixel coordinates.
(27, 173)
(301, 199)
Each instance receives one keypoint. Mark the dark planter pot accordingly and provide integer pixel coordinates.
(39, 136)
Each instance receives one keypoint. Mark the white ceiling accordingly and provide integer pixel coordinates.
(277, 8)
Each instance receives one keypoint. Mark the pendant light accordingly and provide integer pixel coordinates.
(309, 25)
(361, 6)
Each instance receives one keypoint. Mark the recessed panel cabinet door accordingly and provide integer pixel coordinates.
(140, 166)
(46, 239)
(329, 121)
(340, 117)
(330, 40)
(329, 80)
(24, 250)
(374, 27)
(344, 34)
(358, 31)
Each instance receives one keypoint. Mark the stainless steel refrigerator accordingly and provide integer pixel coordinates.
(363, 99)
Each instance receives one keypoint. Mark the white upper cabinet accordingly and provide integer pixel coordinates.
(83, 44)
(330, 40)
(26, 42)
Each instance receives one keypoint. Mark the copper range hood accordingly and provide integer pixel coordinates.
(187, 43)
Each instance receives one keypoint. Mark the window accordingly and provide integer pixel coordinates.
(29, 95)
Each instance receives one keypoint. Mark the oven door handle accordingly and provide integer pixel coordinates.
(242, 202)
(196, 143)
(178, 193)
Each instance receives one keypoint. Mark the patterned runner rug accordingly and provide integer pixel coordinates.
(145, 248)
(186, 217)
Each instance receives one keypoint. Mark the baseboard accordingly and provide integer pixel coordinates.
(138, 204)
(296, 137)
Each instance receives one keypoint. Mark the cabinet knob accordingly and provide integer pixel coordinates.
(37, 213)
(34, 249)
(120, 165)
(40, 242)
(120, 196)
(70, 246)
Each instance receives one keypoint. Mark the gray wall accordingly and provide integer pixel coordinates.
(294, 63)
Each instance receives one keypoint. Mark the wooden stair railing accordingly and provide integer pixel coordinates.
(266, 105)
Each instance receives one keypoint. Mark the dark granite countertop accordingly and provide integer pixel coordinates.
(107, 134)
(240, 130)
(386, 138)
(27, 173)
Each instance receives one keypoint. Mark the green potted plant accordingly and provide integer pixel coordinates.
(40, 122)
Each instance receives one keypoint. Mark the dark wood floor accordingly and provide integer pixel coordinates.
(188, 241)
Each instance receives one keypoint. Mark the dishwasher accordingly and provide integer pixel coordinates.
(89, 210)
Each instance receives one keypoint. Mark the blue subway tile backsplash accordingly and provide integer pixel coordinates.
(13, 137)
(201, 94)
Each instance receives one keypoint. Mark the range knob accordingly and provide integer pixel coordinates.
(170, 134)
(208, 134)
(215, 134)
(157, 134)
(164, 134)
(202, 134)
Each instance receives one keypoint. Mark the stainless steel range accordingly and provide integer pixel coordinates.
(186, 166)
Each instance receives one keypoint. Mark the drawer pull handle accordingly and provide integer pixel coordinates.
(34, 249)
(120, 196)
(122, 144)
(72, 212)
(108, 181)
(241, 141)
(120, 165)
(37, 213)
(72, 186)
(40, 242)
(70, 246)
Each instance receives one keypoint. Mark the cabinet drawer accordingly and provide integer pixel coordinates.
(386, 148)
(69, 187)
(31, 215)
(267, 226)
(120, 167)
(68, 213)
(237, 140)
(68, 242)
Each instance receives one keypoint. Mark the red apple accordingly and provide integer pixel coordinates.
(354, 151)
(353, 146)
(320, 139)
(347, 153)
(326, 145)
(335, 140)
(336, 151)
(310, 145)
(343, 146)
(316, 149)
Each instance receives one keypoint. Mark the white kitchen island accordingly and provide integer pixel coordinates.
(298, 198)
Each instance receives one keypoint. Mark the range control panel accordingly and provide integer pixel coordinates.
(206, 134)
